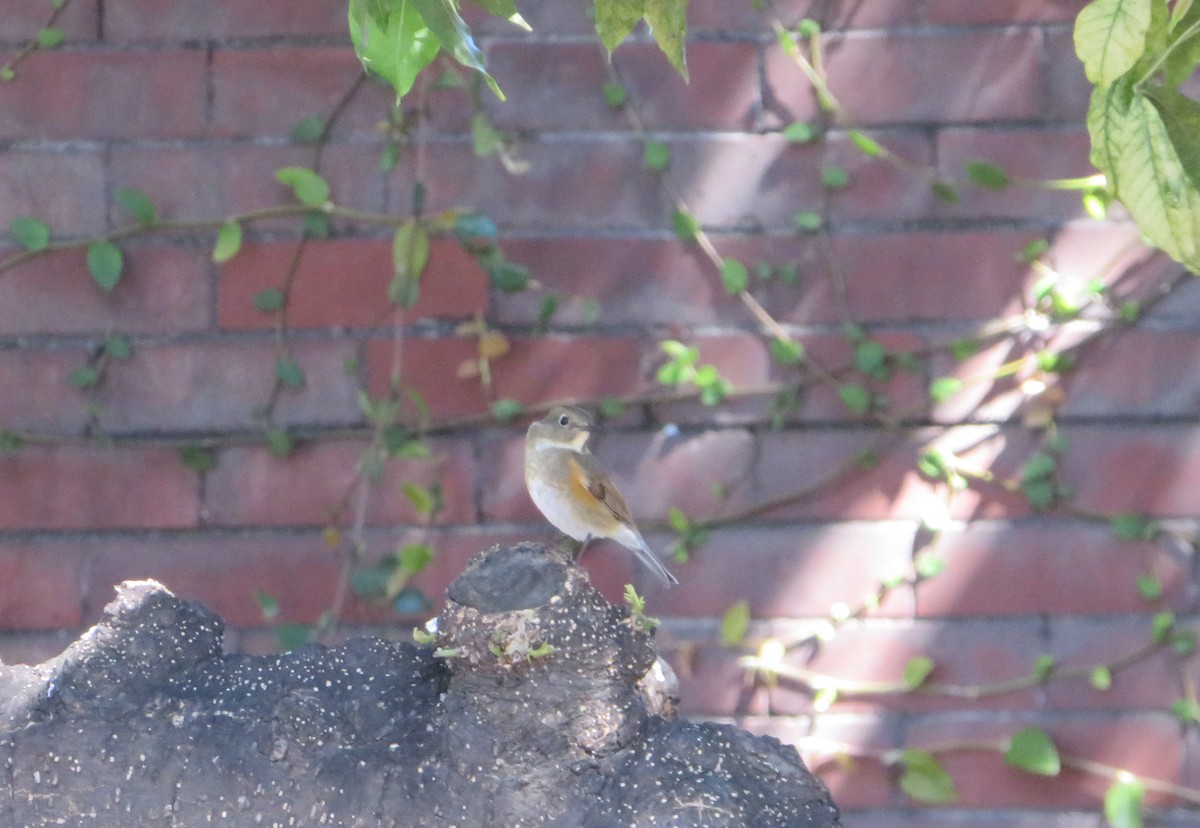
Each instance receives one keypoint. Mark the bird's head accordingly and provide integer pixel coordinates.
(564, 427)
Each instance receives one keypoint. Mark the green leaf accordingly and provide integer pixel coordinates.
(1186, 710)
(506, 410)
(1149, 587)
(229, 241)
(734, 624)
(268, 604)
(1153, 185)
(1040, 465)
(1110, 36)
(10, 441)
(1101, 677)
(657, 156)
(279, 442)
(928, 566)
(317, 226)
(1161, 627)
(308, 130)
(733, 274)
(269, 300)
(924, 779)
(443, 19)
(916, 671)
(786, 351)
(610, 408)
(31, 233)
(866, 144)
(138, 205)
(48, 38)
(390, 156)
(310, 187)
(291, 636)
(1032, 750)
(370, 581)
(289, 373)
(86, 376)
(678, 520)
(105, 262)
(118, 347)
(198, 458)
(392, 40)
(856, 398)
(1123, 803)
(943, 388)
(987, 175)
(410, 255)
(421, 498)
(668, 25)
(546, 311)
(615, 94)
(799, 133)
(1043, 667)
(944, 191)
(870, 357)
(414, 557)
(835, 178)
(1181, 117)
(485, 138)
(615, 19)
(809, 221)
(686, 226)
(509, 277)
(1033, 251)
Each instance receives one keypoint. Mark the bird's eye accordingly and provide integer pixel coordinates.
(564, 420)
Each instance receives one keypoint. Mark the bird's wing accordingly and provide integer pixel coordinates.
(594, 483)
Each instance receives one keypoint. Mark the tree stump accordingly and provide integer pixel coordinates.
(539, 708)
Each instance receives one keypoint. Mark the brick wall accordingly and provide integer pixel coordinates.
(193, 102)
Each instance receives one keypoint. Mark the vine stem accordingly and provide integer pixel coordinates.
(32, 44)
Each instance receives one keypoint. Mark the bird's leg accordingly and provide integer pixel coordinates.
(583, 546)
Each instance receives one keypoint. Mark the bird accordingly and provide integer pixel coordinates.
(568, 486)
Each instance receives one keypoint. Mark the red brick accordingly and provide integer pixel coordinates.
(213, 180)
(101, 95)
(1139, 372)
(901, 277)
(185, 20)
(798, 571)
(1152, 470)
(1081, 569)
(744, 360)
(344, 283)
(223, 573)
(41, 584)
(712, 682)
(162, 289)
(1145, 745)
(1024, 153)
(64, 190)
(569, 183)
(967, 654)
(33, 647)
(862, 782)
(23, 18)
(266, 91)
(81, 487)
(685, 288)
(878, 189)
(251, 487)
(1068, 89)
(36, 394)
(534, 371)
(217, 386)
(995, 76)
(1151, 683)
(1003, 12)
(561, 86)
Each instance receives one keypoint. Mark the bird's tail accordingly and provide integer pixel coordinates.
(646, 555)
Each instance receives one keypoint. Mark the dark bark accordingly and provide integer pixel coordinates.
(539, 710)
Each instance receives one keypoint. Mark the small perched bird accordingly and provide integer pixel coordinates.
(573, 492)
